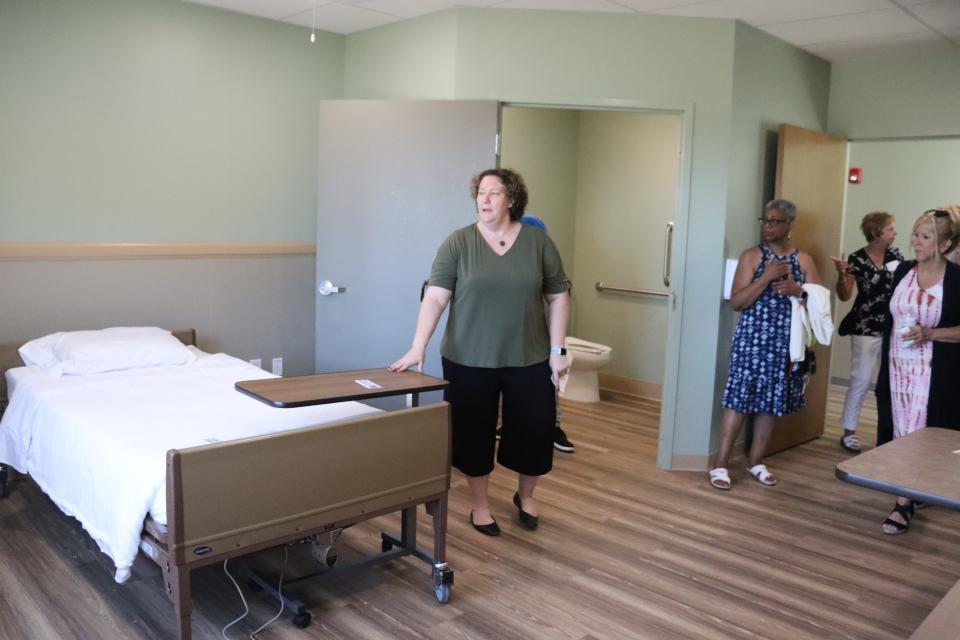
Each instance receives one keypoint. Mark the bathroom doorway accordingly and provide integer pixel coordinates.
(605, 182)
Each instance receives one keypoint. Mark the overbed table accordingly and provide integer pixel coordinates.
(323, 388)
(923, 465)
(361, 384)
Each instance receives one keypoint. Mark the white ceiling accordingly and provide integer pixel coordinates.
(833, 29)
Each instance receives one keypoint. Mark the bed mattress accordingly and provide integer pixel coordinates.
(97, 444)
(14, 376)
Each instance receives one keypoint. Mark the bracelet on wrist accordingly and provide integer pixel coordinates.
(558, 351)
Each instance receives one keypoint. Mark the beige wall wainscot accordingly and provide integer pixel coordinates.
(247, 305)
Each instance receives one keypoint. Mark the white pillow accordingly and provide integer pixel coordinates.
(39, 352)
(115, 349)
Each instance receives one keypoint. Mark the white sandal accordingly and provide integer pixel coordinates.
(720, 479)
(761, 473)
(851, 443)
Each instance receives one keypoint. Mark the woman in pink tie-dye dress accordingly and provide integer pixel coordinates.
(910, 360)
(920, 357)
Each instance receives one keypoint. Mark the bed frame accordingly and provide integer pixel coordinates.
(308, 482)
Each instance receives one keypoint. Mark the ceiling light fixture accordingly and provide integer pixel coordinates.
(313, 29)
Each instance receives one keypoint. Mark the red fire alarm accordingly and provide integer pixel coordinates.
(856, 175)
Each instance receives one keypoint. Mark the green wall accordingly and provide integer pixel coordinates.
(157, 120)
(773, 83)
(542, 145)
(410, 59)
(908, 96)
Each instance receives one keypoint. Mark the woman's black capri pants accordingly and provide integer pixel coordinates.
(529, 417)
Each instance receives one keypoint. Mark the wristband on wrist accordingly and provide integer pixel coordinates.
(558, 351)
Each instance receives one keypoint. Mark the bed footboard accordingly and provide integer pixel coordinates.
(233, 498)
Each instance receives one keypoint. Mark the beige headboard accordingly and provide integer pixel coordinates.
(10, 358)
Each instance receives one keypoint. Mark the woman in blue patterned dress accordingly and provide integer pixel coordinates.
(762, 380)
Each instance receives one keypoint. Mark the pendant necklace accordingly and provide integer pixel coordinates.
(503, 243)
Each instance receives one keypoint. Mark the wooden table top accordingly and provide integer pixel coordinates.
(323, 388)
(923, 465)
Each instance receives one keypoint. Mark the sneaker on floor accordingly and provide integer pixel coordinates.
(560, 441)
(499, 431)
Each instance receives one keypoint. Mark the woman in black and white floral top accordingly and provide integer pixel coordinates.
(871, 269)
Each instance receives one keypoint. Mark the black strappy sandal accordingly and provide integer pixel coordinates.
(906, 512)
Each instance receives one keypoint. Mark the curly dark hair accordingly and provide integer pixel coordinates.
(512, 182)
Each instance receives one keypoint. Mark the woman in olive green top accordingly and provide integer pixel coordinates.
(499, 342)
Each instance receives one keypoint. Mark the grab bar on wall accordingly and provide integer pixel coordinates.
(667, 250)
(642, 292)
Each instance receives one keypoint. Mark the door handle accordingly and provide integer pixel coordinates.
(667, 250)
(326, 288)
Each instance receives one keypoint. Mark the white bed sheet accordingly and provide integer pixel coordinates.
(15, 375)
(97, 444)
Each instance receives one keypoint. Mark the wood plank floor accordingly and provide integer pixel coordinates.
(624, 550)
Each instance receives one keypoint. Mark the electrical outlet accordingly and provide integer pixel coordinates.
(257, 363)
(278, 366)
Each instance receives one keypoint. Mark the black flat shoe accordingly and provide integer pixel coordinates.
(529, 521)
(491, 529)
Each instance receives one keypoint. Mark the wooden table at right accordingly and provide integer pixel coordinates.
(923, 465)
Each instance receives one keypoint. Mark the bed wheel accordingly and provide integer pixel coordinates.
(301, 620)
(442, 582)
(443, 592)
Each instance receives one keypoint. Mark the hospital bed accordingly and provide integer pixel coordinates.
(226, 498)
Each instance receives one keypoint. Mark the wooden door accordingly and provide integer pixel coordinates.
(811, 171)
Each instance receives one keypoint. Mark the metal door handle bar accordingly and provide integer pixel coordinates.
(667, 251)
(642, 292)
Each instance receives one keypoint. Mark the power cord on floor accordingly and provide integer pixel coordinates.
(286, 555)
(246, 608)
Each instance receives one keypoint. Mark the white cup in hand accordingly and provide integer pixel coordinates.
(904, 326)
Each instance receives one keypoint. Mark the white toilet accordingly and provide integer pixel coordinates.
(583, 384)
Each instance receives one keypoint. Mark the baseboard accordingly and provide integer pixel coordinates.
(701, 462)
(630, 386)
